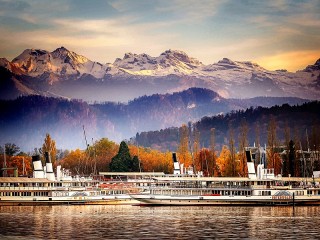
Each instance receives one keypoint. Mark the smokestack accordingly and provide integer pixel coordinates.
(49, 168)
(37, 167)
(250, 165)
(176, 164)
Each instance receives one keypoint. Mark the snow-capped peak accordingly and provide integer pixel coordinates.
(60, 62)
(181, 56)
(68, 56)
(169, 62)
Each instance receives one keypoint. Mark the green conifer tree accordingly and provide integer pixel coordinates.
(122, 162)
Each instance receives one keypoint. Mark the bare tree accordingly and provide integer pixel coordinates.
(183, 148)
(274, 160)
(232, 150)
(243, 142)
(213, 152)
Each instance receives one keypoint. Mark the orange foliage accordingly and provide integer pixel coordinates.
(152, 160)
(274, 161)
(223, 161)
(77, 162)
(17, 161)
(93, 160)
(205, 162)
(242, 168)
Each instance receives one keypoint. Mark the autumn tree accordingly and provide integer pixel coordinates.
(274, 160)
(196, 148)
(286, 161)
(232, 158)
(75, 161)
(49, 146)
(213, 171)
(203, 162)
(223, 162)
(101, 153)
(183, 148)
(152, 160)
(22, 163)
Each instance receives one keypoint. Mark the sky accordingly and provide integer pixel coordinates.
(282, 34)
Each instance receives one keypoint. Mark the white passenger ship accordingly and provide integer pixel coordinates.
(47, 189)
(263, 188)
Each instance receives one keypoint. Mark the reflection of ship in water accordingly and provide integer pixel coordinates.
(261, 187)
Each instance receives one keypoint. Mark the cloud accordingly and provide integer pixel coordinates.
(207, 30)
(190, 10)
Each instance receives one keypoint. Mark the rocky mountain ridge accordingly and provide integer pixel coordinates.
(68, 74)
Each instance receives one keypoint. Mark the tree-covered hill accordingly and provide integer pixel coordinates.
(26, 120)
(300, 120)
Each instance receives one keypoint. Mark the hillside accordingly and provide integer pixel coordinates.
(26, 120)
(306, 120)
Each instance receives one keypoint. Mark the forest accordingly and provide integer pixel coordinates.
(214, 146)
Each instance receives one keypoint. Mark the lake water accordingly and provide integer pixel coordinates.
(135, 222)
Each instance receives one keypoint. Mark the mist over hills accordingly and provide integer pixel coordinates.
(27, 119)
(63, 73)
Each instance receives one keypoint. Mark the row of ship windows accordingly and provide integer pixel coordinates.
(23, 184)
(23, 194)
(56, 184)
(265, 193)
(197, 192)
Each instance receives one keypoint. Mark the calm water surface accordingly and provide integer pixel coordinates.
(134, 222)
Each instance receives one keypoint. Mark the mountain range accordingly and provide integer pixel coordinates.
(66, 74)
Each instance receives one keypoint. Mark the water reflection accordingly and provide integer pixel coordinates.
(133, 222)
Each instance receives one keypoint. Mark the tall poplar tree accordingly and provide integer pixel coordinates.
(243, 143)
(214, 168)
(183, 148)
(49, 146)
(232, 162)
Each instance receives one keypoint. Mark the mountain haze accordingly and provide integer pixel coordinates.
(26, 120)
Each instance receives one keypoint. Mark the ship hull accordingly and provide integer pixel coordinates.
(203, 200)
